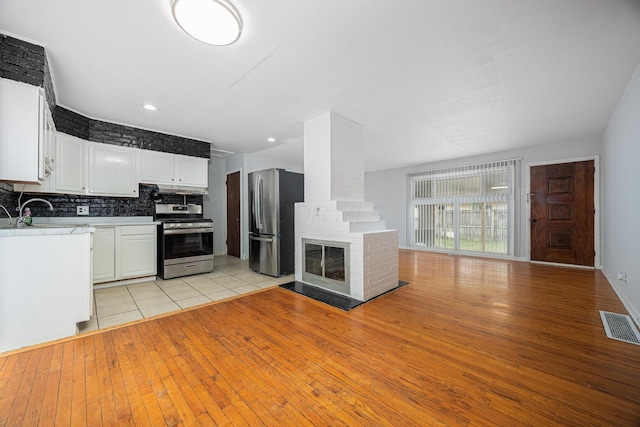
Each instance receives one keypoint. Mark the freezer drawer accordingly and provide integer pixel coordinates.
(264, 256)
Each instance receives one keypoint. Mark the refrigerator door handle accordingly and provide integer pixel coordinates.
(258, 202)
(261, 239)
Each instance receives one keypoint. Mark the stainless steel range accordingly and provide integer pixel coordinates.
(185, 240)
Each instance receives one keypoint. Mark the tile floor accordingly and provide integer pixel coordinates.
(127, 303)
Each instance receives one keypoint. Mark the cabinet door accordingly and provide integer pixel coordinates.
(112, 170)
(138, 254)
(192, 171)
(156, 167)
(70, 162)
(21, 112)
(104, 254)
(48, 184)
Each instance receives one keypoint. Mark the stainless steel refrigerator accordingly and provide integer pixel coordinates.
(272, 195)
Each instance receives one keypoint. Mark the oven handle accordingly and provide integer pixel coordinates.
(187, 231)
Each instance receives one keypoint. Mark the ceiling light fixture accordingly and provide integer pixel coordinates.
(215, 22)
(271, 140)
(150, 107)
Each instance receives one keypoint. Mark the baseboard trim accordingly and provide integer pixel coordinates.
(633, 312)
(124, 282)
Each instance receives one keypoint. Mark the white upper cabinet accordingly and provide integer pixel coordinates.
(173, 169)
(157, 167)
(22, 130)
(112, 170)
(48, 185)
(192, 171)
(71, 164)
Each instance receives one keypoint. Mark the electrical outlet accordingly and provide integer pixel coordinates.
(622, 276)
(82, 210)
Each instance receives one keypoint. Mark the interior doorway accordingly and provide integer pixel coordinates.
(233, 214)
(562, 213)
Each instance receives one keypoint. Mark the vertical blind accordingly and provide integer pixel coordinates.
(464, 209)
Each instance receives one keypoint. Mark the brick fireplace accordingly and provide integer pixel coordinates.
(335, 217)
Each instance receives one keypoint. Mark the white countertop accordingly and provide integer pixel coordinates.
(97, 220)
(73, 225)
(46, 230)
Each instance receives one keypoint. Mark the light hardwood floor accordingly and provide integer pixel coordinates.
(469, 341)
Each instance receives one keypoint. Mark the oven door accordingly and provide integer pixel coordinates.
(180, 245)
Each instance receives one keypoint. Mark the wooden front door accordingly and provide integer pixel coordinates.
(562, 213)
(233, 214)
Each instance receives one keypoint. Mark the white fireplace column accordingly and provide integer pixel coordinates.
(334, 209)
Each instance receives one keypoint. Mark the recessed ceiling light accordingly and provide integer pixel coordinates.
(150, 107)
(271, 140)
(215, 22)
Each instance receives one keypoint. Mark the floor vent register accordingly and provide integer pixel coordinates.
(620, 327)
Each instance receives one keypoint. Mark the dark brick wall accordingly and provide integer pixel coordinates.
(27, 63)
(65, 205)
(110, 133)
(71, 123)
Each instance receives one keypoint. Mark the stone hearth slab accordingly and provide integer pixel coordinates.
(333, 299)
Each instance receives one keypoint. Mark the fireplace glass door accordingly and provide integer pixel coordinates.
(326, 264)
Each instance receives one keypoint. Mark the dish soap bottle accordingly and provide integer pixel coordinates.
(27, 216)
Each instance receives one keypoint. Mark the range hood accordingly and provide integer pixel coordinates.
(181, 189)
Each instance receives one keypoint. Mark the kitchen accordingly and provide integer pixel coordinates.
(111, 180)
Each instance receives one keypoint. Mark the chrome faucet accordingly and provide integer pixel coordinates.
(20, 222)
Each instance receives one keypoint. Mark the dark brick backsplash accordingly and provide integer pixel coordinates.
(65, 205)
(8, 199)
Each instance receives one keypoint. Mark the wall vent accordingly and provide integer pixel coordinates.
(620, 327)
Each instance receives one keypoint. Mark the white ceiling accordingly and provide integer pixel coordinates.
(428, 79)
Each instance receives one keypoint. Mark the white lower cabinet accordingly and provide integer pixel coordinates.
(104, 254)
(124, 252)
(138, 254)
(45, 286)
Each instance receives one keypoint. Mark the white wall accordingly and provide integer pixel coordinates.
(621, 197)
(388, 189)
(214, 204)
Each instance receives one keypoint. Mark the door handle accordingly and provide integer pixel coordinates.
(261, 239)
(533, 219)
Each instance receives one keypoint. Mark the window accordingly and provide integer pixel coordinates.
(466, 209)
